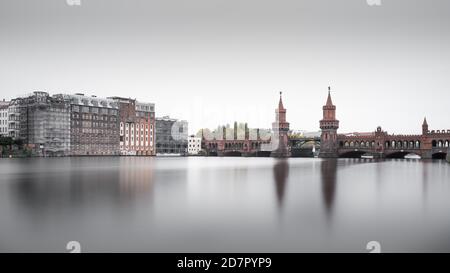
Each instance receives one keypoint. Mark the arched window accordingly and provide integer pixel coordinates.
(362, 144)
(346, 144)
(411, 144)
(386, 144)
(405, 144)
(417, 144)
(394, 144)
(440, 143)
(399, 144)
(352, 144)
(434, 143)
(372, 144)
(447, 143)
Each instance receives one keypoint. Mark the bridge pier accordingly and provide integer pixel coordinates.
(427, 155)
(378, 155)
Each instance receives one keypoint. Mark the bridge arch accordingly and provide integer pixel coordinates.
(439, 155)
(232, 153)
(401, 154)
(353, 154)
(263, 153)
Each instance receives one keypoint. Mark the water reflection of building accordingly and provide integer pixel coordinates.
(76, 185)
(280, 174)
(328, 177)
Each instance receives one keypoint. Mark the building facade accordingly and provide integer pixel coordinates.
(45, 124)
(194, 145)
(4, 118)
(171, 136)
(94, 125)
(137, 127)
(14, 118)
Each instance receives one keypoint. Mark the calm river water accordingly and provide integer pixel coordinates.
(199, 204)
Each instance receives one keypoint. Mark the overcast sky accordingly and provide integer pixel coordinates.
(215, 61)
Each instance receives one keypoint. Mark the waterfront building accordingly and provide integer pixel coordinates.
(4, 118)
(94, 125)
(194, 145)
(45, 124)
(137, 127)
(14, 118)
(171, 136)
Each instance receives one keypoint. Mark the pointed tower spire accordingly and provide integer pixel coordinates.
(329, 101)
(425, 126)
(280, 103)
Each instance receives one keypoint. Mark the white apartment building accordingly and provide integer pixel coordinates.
(194, 145)
(4, 118)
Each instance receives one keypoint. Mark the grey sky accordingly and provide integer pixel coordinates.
(212, 62)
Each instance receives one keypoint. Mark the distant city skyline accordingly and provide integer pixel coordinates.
(215, 62)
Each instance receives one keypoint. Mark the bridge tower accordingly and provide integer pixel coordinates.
(280, 130)
(329, 126)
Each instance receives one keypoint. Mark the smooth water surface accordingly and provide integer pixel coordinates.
(198, 204)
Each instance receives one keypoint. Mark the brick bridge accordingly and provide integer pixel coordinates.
(275, 145)
(430, 144)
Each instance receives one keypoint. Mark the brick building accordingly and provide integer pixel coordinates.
(137, 127)
(94, 125)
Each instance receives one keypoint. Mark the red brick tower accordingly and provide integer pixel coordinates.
(329, 125)
(280, 130)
